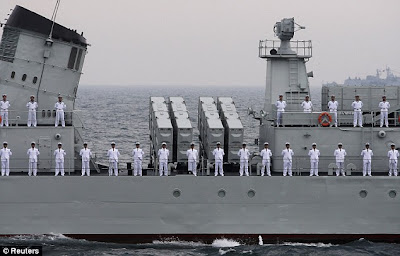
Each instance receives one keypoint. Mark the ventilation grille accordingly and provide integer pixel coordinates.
(8, 45)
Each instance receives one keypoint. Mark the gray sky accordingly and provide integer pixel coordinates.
(215, 42)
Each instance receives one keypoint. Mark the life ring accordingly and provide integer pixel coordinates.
(325, 119)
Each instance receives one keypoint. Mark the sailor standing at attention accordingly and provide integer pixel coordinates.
(244, 160)
(163, 154)
(60, 107)
(287, 155)
(340, 154)
(357, 106)
(137, 154)
(307, 105)
(113, 155)
(219, 159)
(266, 159)
(314, 158)
(280, 109)
(333, 106)
(384, 106)
(367, 158)
(4, 105)
(393, 155)
(192, 156)
(33, 154)
(86, 154)
(32, 107)
(5, 154)
(59, 157)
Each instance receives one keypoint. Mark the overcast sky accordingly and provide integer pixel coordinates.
(215, 42)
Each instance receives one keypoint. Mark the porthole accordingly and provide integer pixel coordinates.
(43, 113)
(12, 75)
(251, 193)
(23, 77)
(34, 80)
(363, 193)
(392, 193)
(176, 193)
(221, 193)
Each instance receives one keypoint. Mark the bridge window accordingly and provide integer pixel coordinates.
(72, 58)
(34, 80)
(23, 77)
(78, 60)
(12, 75)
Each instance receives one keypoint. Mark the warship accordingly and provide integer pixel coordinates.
(43, 58)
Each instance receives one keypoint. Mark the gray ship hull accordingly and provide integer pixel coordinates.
(143, 209)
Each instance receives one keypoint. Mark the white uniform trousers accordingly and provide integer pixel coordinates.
(32, 168)
(113, 165)
(366, 167)
(334, 117)
(32, 118)
(163, 168)
(287, 167)
(244, 166)
(314, 168)
(266, 164)
(5, 167)
(219, 166)
(4, 117)
(60, 117)
(392, 167)
(85, 168)
(137, 168)
(340, 168)
(279, 117)
(384, 118)
(357, 117)
(192, 167)
(59, 168)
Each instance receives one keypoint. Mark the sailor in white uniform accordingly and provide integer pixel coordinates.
(59, 157)
(393, 155)
(5, 154)
(280, 109)
(367, 160)
(218, 154)
(287, 155)
(307, 105)
(113, 155)
(137, 154)
(4, 105)
(384, 106)
(60, 107)
(244, 160)
(32, 107)
(86, 154)
(340, 154)
(163, 154)
(192, 156)
(33, 154)
(266, 160)
(314, 158)
(357, 106)
(333, 106)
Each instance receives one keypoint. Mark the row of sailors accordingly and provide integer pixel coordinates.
(333, 105)
(192, 154)
(32, 108)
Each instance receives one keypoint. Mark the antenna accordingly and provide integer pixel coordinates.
(49, 40)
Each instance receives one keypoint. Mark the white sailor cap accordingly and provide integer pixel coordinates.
(33, 142)
(333, 95)
(113, 143)
(280, 95)
(287, 143)
(392, 144)
(307, 95)
(4, 94)
(163, 143)
(137, 143)
(59, 96)
(59, 143)
(265, 143)
(218, 143)
(340, 144)
(192, 144)
(5, 142)
(314, 144)
(85, 143)
(357, 95)
(244, 143)
(32, 96)
(383, 96)
(367, 144)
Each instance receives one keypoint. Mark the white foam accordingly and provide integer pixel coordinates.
(225, 243)
(222, 252)
(310, 244)
(178, 243)
(260, 240)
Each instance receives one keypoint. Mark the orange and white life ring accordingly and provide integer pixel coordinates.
(325, 119)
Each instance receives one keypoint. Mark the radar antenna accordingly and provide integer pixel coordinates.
(285, 29)
(49, 40)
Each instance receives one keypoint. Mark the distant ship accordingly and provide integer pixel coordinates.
(372, 80)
